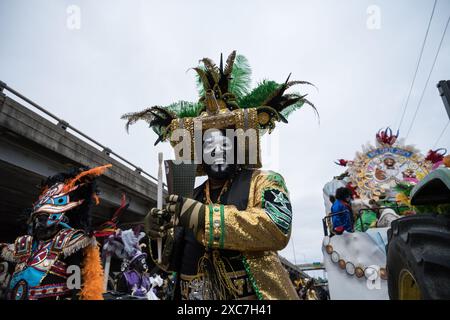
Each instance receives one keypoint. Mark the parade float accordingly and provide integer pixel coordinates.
(384, 180)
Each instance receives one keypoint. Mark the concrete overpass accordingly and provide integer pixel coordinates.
(293, 269)
(34, 146)
(311, 266)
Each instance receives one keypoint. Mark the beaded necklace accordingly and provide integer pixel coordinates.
(219, 271)
(208, 194)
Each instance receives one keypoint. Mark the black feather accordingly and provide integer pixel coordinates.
(230, 63)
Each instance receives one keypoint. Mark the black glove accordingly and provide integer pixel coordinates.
(188, 213)
(157, 222)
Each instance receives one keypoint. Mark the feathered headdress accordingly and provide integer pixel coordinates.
(68, 196)
(226, 100)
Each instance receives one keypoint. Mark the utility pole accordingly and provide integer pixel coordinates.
(444, 91)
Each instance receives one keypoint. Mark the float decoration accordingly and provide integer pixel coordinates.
(377, 170)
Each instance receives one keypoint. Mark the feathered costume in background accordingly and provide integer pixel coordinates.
(92, 270)
(92, 273)
(66, 198)
(231, 86)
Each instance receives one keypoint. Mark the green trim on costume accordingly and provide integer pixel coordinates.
(277, 178)
(222, 226)
(252, 278)
(281, 217)
(211, 226)
(278, 211)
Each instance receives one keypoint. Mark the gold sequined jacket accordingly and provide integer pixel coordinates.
(258, 232)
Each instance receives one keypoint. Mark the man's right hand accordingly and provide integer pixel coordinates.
(157, 222)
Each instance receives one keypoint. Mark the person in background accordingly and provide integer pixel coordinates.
(342, 205)
(369, 213)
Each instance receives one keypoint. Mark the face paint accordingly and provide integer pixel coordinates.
(42, 228)
(144, 265)
(139, 263)
(48, 214)
(55, 201)
(218, 155)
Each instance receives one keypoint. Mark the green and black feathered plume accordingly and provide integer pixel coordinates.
(231, 84)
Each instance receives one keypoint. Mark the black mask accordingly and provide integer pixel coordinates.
(41, 230)
(140, 265)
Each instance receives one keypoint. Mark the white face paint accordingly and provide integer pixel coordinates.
(215, 147)
(218, 154)
(144, 265)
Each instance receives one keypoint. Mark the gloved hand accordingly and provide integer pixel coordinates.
(188, 213)
(157, 222)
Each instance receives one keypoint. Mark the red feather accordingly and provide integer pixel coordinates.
(342, 162)
(436, 155)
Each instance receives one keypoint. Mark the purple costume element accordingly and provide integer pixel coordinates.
(124, 245)
(138, 284)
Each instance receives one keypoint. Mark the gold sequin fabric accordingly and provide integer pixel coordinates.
(253, 233)
(271, 277)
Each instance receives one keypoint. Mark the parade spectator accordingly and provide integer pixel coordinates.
(343, 220)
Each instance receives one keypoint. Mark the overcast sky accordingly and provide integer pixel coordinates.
(128, 55)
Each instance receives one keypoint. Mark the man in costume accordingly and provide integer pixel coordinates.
(59, 237)
(223, 242)
(124, 244)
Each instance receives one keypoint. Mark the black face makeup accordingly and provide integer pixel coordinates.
(140, 264)
(41, 228)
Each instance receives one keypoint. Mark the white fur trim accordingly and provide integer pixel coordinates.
(7, 253)
(77, 245)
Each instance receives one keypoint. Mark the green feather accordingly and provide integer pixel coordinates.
(184, 109)
(258, 95)
(240, 77)
(239, 86)
(293, 107)
(404, 187)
